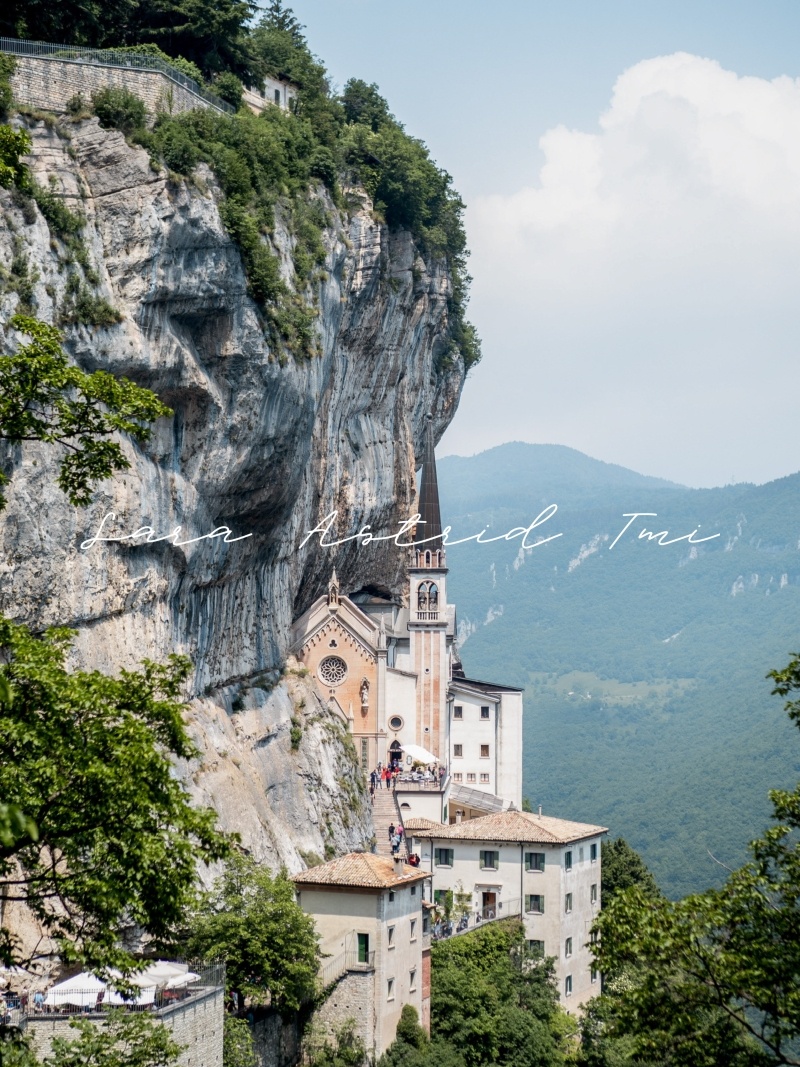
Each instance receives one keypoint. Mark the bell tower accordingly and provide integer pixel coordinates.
(427, 610)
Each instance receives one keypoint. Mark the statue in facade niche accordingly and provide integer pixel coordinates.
(364, 695)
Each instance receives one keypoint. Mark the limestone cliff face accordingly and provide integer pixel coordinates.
(259, 443)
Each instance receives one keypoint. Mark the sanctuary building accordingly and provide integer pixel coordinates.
(392, 671)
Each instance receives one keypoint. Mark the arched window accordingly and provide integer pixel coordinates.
(433, 596)
(427, 559)
(422, 597)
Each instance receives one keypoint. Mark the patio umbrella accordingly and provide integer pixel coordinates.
(416, 752)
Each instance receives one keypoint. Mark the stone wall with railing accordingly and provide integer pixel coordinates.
(47, 76)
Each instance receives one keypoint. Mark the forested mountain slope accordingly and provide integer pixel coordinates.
(646, 704)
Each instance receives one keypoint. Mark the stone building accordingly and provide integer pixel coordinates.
(513, 863)
(369, 916)
(392, 670)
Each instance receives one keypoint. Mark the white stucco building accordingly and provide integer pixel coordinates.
(369, 917)
(513, 863)
(275, 92)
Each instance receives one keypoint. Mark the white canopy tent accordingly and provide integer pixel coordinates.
(84, 989)
(419, 754)
(81, 991)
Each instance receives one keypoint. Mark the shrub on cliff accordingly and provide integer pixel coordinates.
(119, 109)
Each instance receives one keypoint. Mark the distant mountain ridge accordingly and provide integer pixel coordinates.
(644, 665)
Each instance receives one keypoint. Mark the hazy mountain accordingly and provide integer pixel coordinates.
(644, 663)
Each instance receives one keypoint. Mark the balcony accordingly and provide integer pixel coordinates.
(426, 616)
(476, 920)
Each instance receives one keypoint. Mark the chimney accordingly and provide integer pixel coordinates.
(540, 811)
(399, 864)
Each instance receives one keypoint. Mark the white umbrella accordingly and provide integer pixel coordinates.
(421, 755)
(142, 998)
(182, 979)
(82, 991)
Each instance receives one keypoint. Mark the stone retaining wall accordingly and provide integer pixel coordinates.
(50, 83)
(195, 1023)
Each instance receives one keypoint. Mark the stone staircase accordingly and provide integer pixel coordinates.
(384, 812)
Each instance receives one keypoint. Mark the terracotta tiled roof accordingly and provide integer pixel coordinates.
(507, 826)
(422, 824)
(362, 869)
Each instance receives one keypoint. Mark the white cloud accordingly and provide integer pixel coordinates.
(638, 301)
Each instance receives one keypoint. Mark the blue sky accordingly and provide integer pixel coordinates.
(636, 296)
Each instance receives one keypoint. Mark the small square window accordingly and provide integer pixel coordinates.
(470, 777)
(567, 861)
(593, 893)
(412, 980)
(593, 853)
(568, 986)
(277, 96)
(391, 937)
(458, 777)
(390, 989)
(458, 751)
(484, 713)
(537, 947)
(485, 779)
(568, 903)
(534, 861)
(413, 929)
(568, 948)
(391, 895)
(534, 902)
(490, 860)
(413, 891)
(458, 712)
(484, 751)
(443, 857)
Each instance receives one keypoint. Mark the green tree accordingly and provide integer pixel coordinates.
(237, 1043)
(84, 22)
(623, 867)
(493, 1001)
(364, 104)
(715, 978)
(45, 398)
(14, 144)
(250, 919)
(87, 758)
(127, 1039)
(214, 36)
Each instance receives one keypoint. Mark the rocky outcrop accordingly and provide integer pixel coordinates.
(259, 443)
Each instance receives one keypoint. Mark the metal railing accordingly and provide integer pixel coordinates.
(333, 969)
(111, 57)
(95, 1001)
(407, 784)
(476, 920)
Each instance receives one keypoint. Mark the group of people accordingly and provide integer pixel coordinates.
(384, 776)
(396, 834)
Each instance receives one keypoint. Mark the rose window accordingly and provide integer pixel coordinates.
(333, 670)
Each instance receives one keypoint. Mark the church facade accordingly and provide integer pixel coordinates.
(392, 671)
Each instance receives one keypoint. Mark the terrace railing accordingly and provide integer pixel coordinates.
(111, 57)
